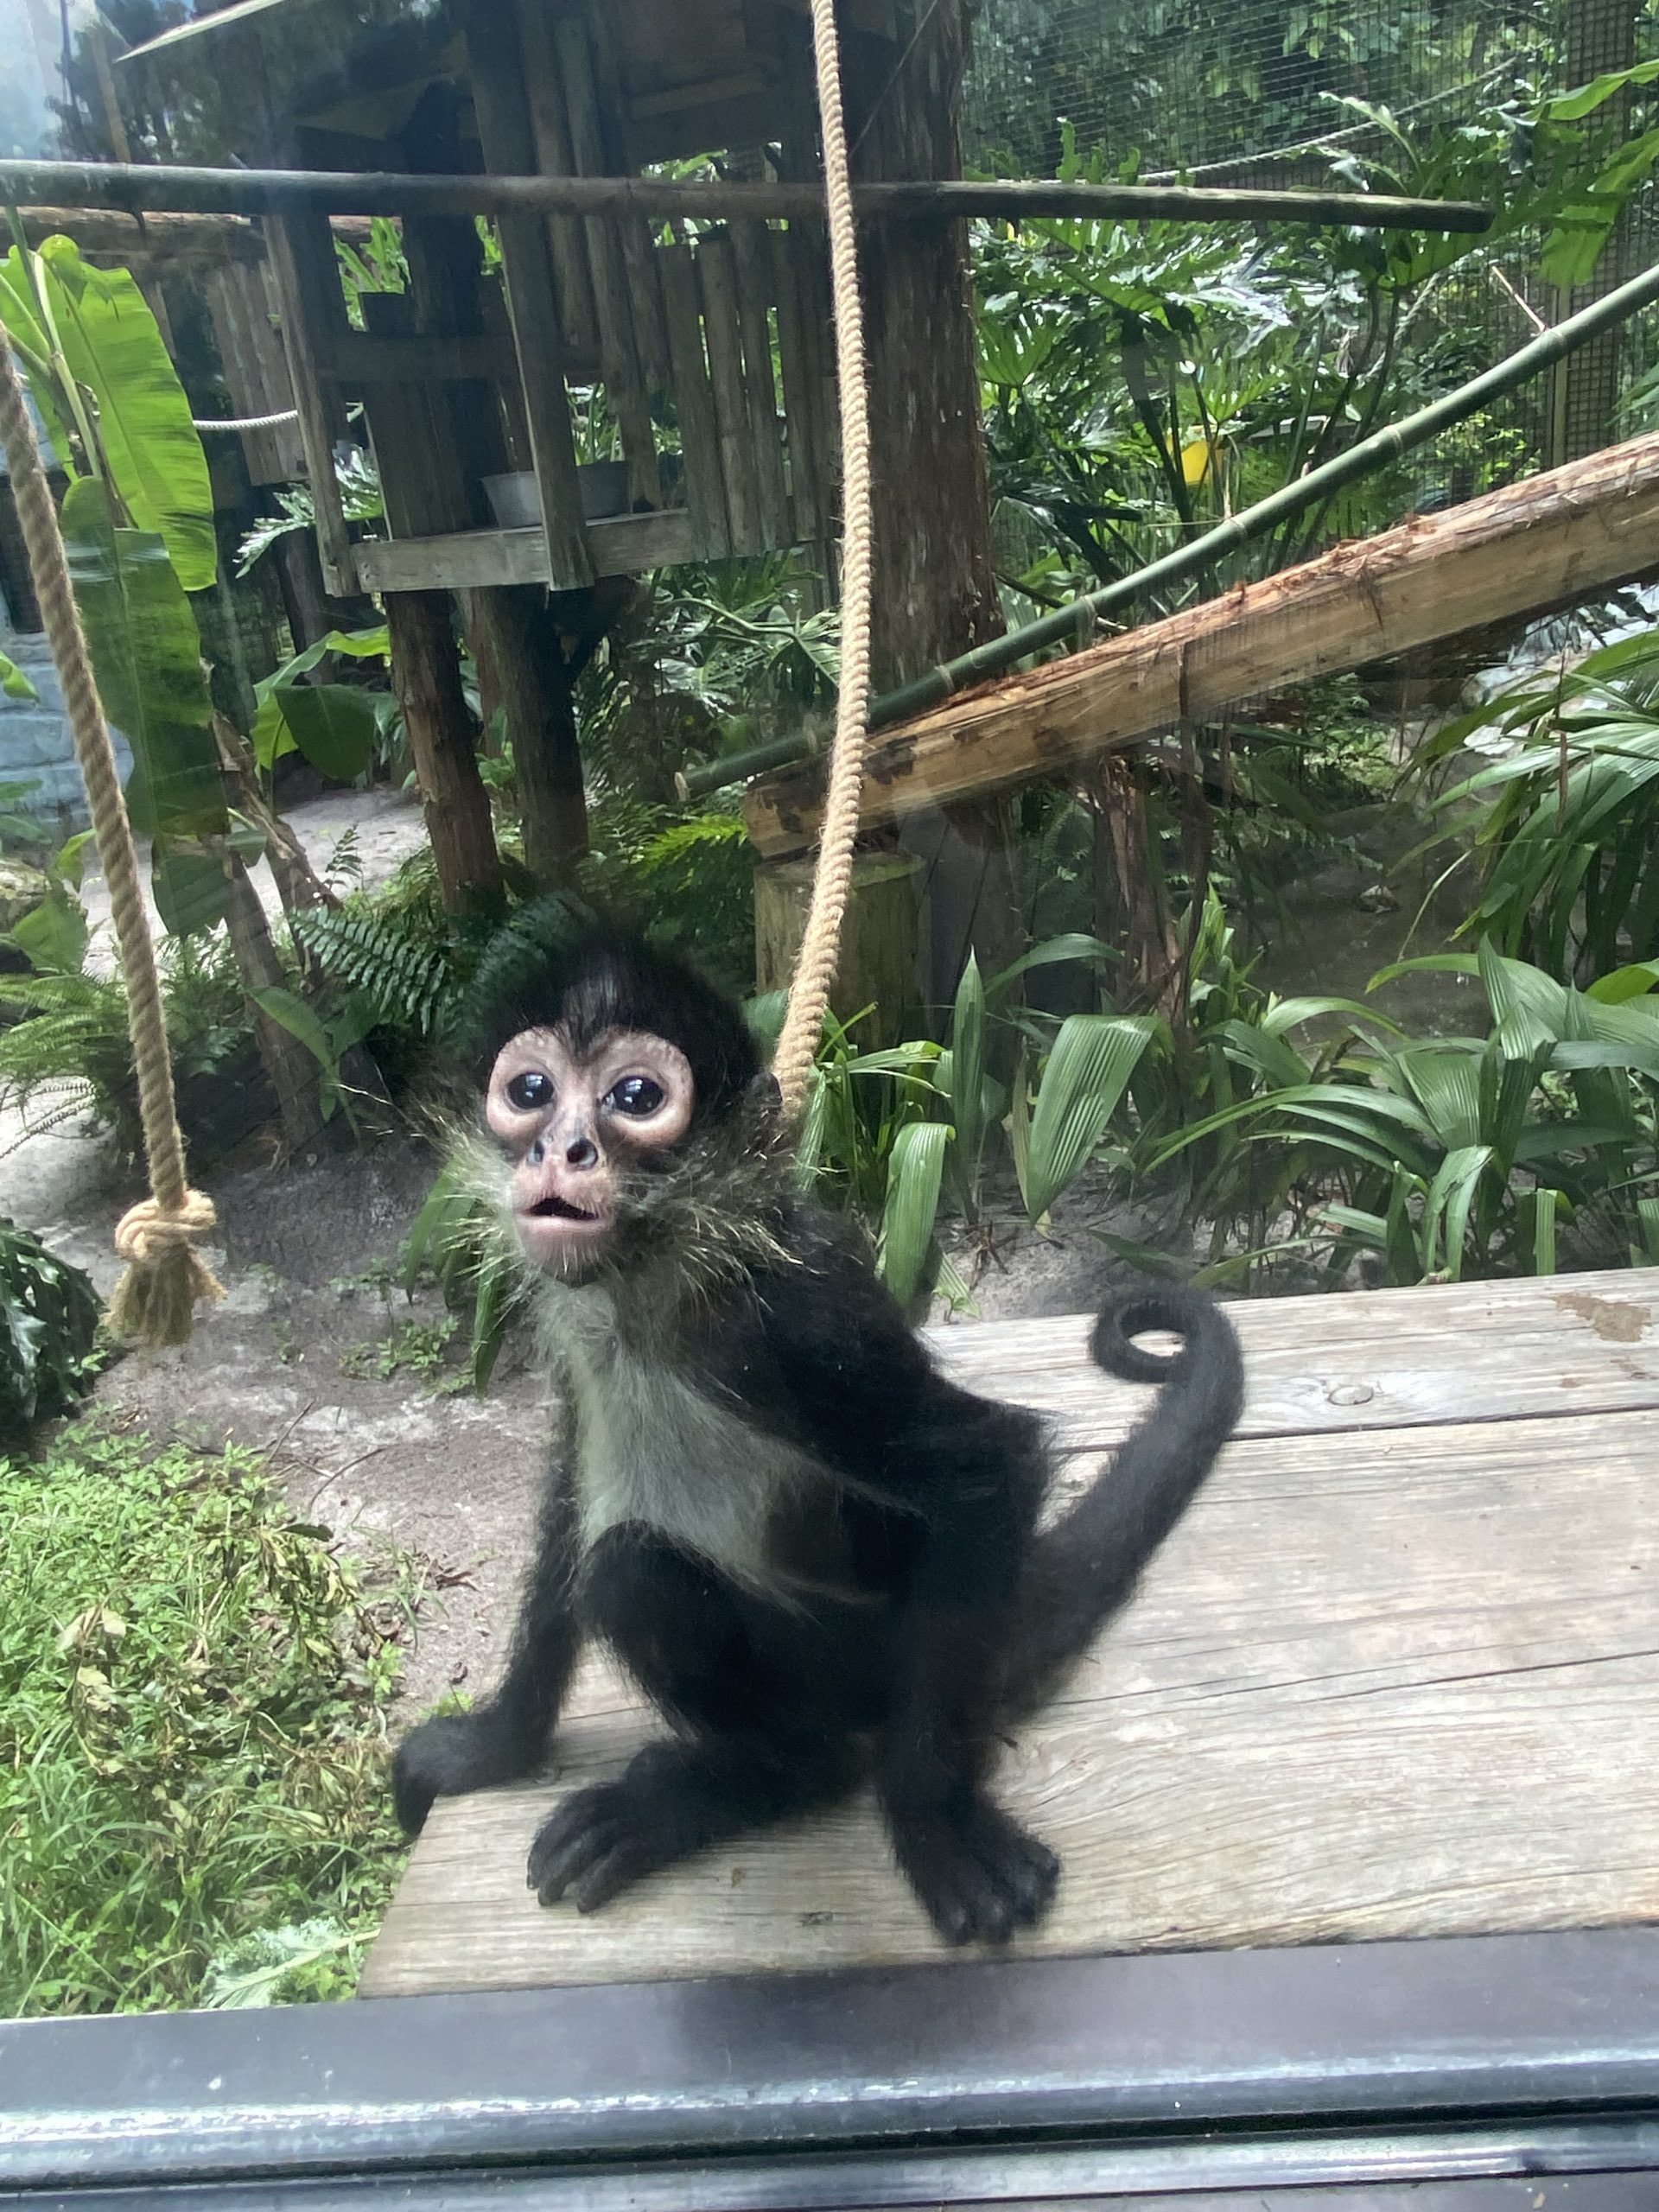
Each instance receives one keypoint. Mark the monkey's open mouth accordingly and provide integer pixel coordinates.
(554, 1208)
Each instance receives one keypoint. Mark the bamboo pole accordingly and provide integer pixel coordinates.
(169, 187)
(1074, 622)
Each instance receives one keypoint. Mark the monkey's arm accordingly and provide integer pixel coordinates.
(506, 1737)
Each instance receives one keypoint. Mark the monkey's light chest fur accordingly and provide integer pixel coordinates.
(653, 1450)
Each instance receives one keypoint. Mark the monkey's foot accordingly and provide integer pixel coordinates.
(604, 1839)
(978, 1873)
(451, 1755)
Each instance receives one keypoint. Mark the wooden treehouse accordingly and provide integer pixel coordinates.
(660, 345)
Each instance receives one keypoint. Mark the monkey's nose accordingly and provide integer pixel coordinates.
(583, 1152)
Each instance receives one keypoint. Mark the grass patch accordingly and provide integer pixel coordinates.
(193, 1685)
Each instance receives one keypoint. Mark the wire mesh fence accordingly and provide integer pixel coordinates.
(1272, 92)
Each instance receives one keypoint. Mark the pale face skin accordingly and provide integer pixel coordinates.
(568, 1126)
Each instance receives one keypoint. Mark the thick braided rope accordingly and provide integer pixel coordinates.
(171, 1201)
(820, 945)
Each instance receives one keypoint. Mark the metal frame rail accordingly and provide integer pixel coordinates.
(1470, 2075)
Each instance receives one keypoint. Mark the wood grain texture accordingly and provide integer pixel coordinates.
(1528, 547)
(623, 545)
(1396, 1673)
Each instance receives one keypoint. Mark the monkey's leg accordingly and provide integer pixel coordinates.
(978, 1873)
(506, 1737)
(757, 1744)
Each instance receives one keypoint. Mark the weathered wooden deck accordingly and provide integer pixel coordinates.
(1396, 1674)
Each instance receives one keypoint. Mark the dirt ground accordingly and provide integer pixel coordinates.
(307, 1256)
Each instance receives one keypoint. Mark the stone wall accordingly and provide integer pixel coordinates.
(35, 746)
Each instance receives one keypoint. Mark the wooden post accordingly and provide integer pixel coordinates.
(883, 937)
(935, 592)
(532, 684)
(718, 266)
(495, 64)
(751, 245)
(705, 488)
(426, 676)
(301, 250)
(579, 69)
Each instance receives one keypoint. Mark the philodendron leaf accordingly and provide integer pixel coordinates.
(115, 351)
(914, 1172)
(1093, 1058)
(333, 724)
(147, 657)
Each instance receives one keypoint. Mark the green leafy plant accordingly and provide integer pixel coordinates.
(334, 725)
(16, 683)
(1569, 844)
(110, 397)
(1444, 1155)
(194, 1693)
(48, 1319)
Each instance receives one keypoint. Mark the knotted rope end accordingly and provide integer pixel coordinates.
(166, 1277)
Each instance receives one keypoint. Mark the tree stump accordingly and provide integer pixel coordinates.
(883, 939)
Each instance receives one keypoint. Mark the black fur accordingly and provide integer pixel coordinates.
(916, 1607)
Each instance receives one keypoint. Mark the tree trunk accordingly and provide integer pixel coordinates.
(936, 593)
(426, 676)
(532, 678)
(293, 1071)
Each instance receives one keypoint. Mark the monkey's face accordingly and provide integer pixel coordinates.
(576, 1127)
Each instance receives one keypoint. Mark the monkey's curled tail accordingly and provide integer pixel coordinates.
(1086, 1565)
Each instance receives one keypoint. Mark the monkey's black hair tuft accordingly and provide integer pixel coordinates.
(557, 962)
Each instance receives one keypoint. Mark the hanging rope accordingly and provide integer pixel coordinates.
(154, 1300)
(820, 945)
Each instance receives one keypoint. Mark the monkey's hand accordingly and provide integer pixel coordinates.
(979, 1874)
(453, 1754)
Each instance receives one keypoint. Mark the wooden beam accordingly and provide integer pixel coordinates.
(464, 560)
(511, 188)
(1543, 543)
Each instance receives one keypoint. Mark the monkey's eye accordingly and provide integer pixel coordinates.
(531, 1092)
(636, 1094)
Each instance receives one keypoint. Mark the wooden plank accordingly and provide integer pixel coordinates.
(752, 255)
(575, 40)
(1551, 540)
(623, 545)
(645, 289)
(801, 388)
(1383, 1359)
(554, 155)
(301, 256)
(694, 405)
(717, 267)
(495, 64)
(1360, 1694)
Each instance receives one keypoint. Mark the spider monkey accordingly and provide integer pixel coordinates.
(817, 1557)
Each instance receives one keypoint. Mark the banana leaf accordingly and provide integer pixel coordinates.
(146, 657)
(113, 350)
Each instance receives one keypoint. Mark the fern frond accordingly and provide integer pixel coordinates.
(406, 982)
